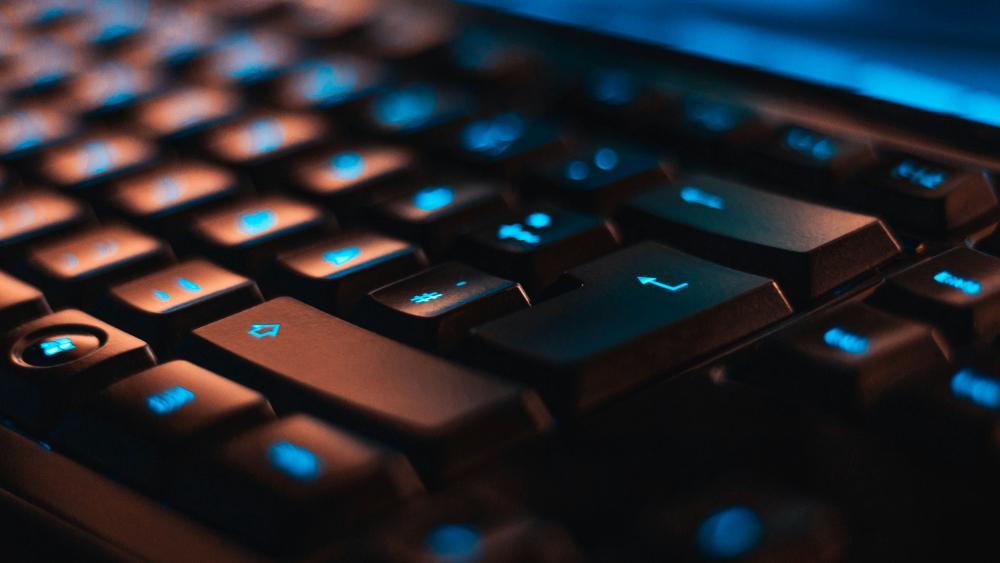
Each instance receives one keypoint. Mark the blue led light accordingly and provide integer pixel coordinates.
(188, 285)
(407, 107)
(810, 144)
(979, 388)
(325, 81)
(517, 232)
(265, 135)
(57, 346)
(342, 256)
(347, 165)
(646, 280)
(606, 159)
(294, 461)
(269, 330)
(697, 196)
(454, 542)
(613, 87)
(538, 220)
(712, 116)
(426, 297)
(461, 283)
(161, 295)
(97, 157)
(845, 341)
(919, 175)
(434, 197)
(256, 222)
(729, 533)
(495, 135)
(169, 400)
(966, 286)
(577, 170)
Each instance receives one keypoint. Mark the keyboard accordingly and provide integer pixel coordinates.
(404, 282)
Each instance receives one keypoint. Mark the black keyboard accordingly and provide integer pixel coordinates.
(399, 282)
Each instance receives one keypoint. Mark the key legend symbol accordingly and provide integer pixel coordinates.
(644, 280)
(426, 297)
(264, 330)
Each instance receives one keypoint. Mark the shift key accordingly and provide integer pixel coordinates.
(444, 416)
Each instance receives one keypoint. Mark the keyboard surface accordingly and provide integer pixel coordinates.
(398, 282)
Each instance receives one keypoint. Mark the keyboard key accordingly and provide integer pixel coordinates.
(334, 274)
(248, 57)
(111, 22)
(29, 130)
(324, 21)
(296, 482)
(53, 363)
(808, 249)
(144, 427)
(618, 99)
(338, 82)
(445, 417)
(75, 271)
(32, 215)
(111, 87)
(96, 159)
(923, 196)
(162, 307)
(809, 160)
(537, 245)
(244, 11)
(175, 35)
(259, 144)
(437, 307)
(846, 358)
(496, 58)
(417, 109)
(19, 302)
(42, 65)
(958, 291)
(715, 129)
(435, 214)
(181, 113)
(349, 178)
(243, 236)
(407, 32)
(506, 141)
(599, 179)
(638, 313)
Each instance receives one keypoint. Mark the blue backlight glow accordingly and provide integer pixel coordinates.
(264, 136)
(613, 87)
(295, 461)
(845, 341)
(427, 297)
(981, 389)
(161, 295)
(347, 165)
(56, 346)
(606, 159)
(188, 285)
(266, 330)
(697, 196)
(342, 256)
(517, 232)
(647, 280)
(169, 401)
(808, 143)
(729, 533)
(325, 81)
(966, 286)
(256, 222)
(538, 220)
(577, 171)
(494, 135)
(712, 116)
(408, 107)
(433, 198)
(920, 175)
(455, 542)
(97, 156)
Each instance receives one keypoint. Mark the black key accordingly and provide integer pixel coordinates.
(715, 129)
(638, 313)
(445, 417)
(417, 110)
(29, 130)
(496, 58)
(338, 83)
(142, 428)
(848, 357)
(161, 308)
(19, 302)
(958, 291)
(110, 88)
(506, 141)
(435, 214)
(600, 178)
(164, 198)
(809, 160)
(92, 161)
(924, 196)
(334, 274)
(248, 57)
(349, 178)
(437, 307)
(618, 99)
(243, 236)
(53, 363)
(31, 215)
(181, 113)
(807, 248)
(295, 483)
(79, 269)
(259, 144)
(537, 245)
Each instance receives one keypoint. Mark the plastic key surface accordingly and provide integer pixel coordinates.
(95, 159)
(31, 215)
(19, 302)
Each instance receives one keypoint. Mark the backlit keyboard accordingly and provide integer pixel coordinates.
(400, 282)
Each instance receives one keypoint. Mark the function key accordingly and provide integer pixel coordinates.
(295, 482)
(810, 160)
(26, 131)
(437, 307)
(958, 291)
(924, 196)
(19, 302)
(537, 245)
(163, 307)
(248, 57)
(417, 109)
(404, 32)
(334, 274)
(263, 139)
(337, 82)
(77, 270)
(436, 214)
(181, 113)
(27, 216)
(96, 159)
(111, 87)
(506, 141)
(245, 235)
(55, 362)
(349, 178)
(600, 178)
(145, 426)
(323, 21)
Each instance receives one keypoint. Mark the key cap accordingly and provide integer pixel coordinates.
(809, 160)
(44, 12)
(32, 129)
(19, 302)
(923, 196)
(538, 244)
(408, 33)
(958, 291)
(162, 307)
(506, 141)
(89, 163)
(601, 178)
(436, 214)
(111, 22)
(243, 236)
(348, 178)
(111, 87)
(43, 64)
(295, 483)
(436, 307)
(495, 58)
(638, 313)
(185, 112)
(78, 270)
(164, 198)
(259, 144)
(334, 274)
(846, 358)
(715, 129)
(175, 35)
(445, 417)
(248, 57)
(325, 21)
(617, 98)
(808, 249)
(416, 110)
(33, 215)
(144, 427)
(52, 364)
(338, 82)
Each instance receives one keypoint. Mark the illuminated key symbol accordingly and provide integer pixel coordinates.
(845, 341)
(188, 285)
(167, 190)
(644, 280)
(342, 256)
(169, 400)
(517, 232)
(697, 196)
(56, 346)
(97, 157)
(105, 248)
(294, 461)
(264, 330)
(265, 135)
(538, 220)
(348, 165)
(426, 297)
(920, 175)
(976, 387)
(325, 81)
(968, 287)
(810, 144)
(429, 199)
(256, 222)
(161, 295)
